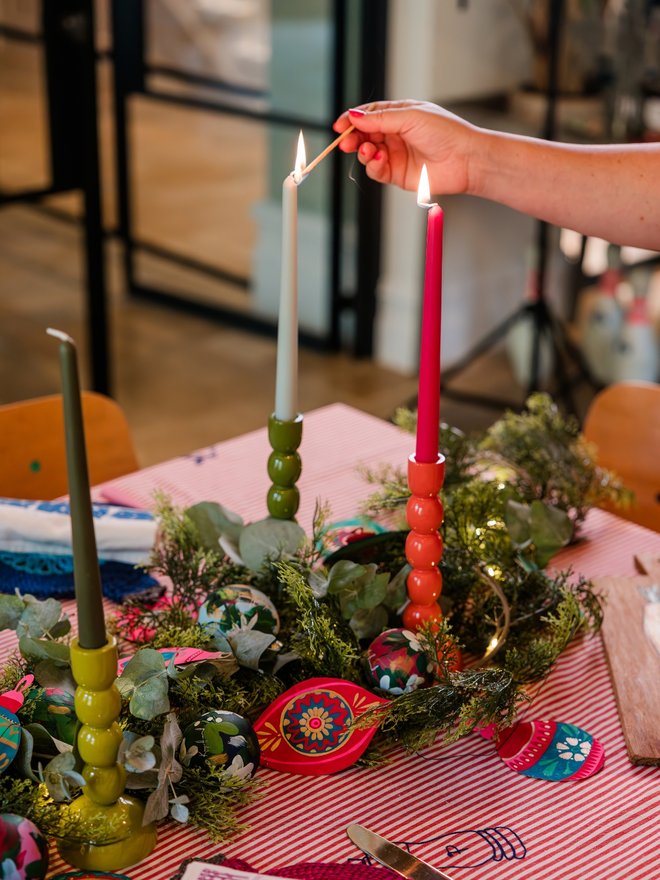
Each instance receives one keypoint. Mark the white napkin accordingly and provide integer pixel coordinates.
(123, 534)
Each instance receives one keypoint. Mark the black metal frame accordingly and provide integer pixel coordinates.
(67, 37)
(131, 74)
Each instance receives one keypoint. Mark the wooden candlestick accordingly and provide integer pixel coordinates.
(284, 466)
(424, 513)
(98, 704)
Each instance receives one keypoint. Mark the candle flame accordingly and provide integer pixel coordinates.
(301, 159)
(424, 189)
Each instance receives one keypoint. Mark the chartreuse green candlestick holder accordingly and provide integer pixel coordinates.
(98, 704)
(284, 466)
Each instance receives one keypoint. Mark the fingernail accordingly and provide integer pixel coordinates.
(356, 113)
(363, 149)
(377, 156)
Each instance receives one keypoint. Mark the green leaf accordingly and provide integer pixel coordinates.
(374, 592)
(396, 593)
(367, 623)
(249, 646)
(23, 759)
(11, 608)
(52, 674)
(61, 628)
(212, 520)
(343, 574)
(551, 530)
(269, 539)
(150, 698)
(40, 649)
(349, 605)
(44, 746)
(517, 518)
(144, 679)
(40, 616)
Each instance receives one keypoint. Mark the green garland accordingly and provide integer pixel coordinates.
(512, 498)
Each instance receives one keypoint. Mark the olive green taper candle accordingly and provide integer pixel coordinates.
(86, 573)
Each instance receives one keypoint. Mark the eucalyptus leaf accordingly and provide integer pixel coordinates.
(217, 639)
(150, 698)
(318, 584)
(349, 605)
(52, 674)
(269, 539)
(41, 649)
(144, 680)
(23, 759)
(137, 781)
(367, 623)
(59, 775)
(374, 592)
(249, 646)
(11, 608)
(369, 574)
(517, 518)
(343, 574)
(44, 745)
(396, 593)
(212, 520)
(551, 530)
(230, 548)
(40, 616)
(61, 628)
(179, 813)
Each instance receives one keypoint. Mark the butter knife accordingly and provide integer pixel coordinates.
(392, 856)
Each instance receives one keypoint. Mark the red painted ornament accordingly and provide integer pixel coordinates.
(308, 729)
(550, 750)
(13, 700)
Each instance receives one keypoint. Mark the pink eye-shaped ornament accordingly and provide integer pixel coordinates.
(308, 729)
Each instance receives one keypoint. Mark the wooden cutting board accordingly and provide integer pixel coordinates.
(633, 659)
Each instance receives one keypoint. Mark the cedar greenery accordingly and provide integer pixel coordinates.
(537, 457)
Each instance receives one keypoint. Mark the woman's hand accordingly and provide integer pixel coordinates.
(394, 139)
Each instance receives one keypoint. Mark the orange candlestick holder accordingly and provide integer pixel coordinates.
(424, 514)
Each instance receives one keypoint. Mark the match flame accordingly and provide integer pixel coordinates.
(301, 160)
(424, 190)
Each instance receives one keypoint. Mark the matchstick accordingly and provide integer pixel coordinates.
(328, 149)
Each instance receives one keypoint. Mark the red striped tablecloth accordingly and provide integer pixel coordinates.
(455, 804)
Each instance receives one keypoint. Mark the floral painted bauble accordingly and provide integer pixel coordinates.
(225, 740)
(238, 608)
(551, 750)
(309, 729)
(10, 737)
(396, 662)
(54, 710)
(23, 849)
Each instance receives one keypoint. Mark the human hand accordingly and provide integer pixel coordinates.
(394, 139)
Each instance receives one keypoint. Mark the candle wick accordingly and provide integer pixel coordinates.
(60, 334)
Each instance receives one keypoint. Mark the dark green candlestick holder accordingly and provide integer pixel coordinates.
(284, 466)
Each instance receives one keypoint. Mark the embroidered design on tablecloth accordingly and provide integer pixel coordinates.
(468, 849)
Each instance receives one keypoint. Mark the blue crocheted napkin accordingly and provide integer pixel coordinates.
(35, 548)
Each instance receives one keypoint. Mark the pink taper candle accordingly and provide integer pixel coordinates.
(428, 409)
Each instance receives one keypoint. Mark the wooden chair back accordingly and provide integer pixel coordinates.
(32, 450)
(623, 422)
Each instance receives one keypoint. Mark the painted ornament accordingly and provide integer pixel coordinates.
(224, 739)
(238, 608)
(10, 726)
(54, 710)
(396, 662)
(23, 849)
(308, 729)
(551, 750)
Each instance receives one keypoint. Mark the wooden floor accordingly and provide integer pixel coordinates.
(183, 382)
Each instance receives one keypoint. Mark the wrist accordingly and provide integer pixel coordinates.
(481, 161)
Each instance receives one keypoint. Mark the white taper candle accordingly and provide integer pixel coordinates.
(286, 383)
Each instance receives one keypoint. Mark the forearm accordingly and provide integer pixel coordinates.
(612, 192)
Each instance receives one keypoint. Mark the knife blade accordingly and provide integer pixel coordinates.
(392, 856)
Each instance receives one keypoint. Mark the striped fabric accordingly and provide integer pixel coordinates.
(442, 802)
